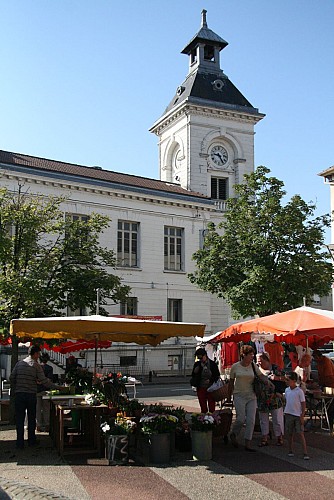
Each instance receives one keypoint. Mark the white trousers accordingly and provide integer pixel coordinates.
(245, 409)
(278, 422)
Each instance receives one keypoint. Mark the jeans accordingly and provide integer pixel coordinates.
(25, 402)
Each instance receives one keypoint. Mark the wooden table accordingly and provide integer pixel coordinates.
(85, 437)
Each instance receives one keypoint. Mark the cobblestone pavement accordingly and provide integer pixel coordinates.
(232, 474)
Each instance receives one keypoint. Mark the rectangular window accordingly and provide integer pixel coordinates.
(79, 234)
(81, 311)
(173, 239)
(174, 310)
(129, 307)
(128, 361)
(127, 244)
(219, 188)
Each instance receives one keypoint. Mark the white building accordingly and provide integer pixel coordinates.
(206, 145)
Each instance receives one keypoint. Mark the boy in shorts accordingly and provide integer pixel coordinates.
(294, 413)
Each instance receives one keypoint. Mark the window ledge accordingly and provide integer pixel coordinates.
(128, 268)
(170, 271)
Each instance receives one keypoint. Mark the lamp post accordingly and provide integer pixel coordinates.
(97, 301)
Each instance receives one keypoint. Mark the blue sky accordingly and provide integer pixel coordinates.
(82, 81)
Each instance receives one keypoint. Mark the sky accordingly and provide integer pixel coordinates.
(82, 81)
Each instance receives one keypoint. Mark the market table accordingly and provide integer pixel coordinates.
(132, 384)
(84, 435)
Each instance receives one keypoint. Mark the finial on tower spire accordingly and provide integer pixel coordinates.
(204, 23)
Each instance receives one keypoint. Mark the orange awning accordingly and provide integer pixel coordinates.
(298, 326)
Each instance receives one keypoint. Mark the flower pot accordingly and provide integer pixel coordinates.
(117, 449)
(183, 441)
(159, 448)
(172, 443)
(201, 445)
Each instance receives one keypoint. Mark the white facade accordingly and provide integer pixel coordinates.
(205, 147)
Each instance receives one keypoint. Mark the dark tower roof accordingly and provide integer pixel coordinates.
(206, 83)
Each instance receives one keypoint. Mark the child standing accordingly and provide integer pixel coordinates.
(294, 413)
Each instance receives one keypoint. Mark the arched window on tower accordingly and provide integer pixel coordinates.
(193, 56)
(209, 53)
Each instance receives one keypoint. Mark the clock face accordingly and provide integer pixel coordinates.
(219, 155)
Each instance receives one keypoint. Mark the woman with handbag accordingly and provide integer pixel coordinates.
(205, 373)
(241, 381)
(271, 400)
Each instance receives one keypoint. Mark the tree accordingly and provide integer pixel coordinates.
(49, 262)
(265, 257)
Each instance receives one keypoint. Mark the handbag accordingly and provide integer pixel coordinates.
(195, 380)
(258, 385)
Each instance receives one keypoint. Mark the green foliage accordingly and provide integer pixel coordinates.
(266, 256)
(49, 262)
(158, 423)
(110, 388)
(81, 378)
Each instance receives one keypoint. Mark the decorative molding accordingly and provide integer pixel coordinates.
(115, 194)
(236, 116)
(229, 168)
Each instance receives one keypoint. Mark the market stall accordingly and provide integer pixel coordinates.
(305, 326)
(95, 329)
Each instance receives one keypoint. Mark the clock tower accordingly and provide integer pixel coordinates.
(206, 134)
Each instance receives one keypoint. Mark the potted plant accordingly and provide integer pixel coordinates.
(80, 379)
(132, 407)
(110, 389)
(202, 425)
(157, 428)
(116, 433)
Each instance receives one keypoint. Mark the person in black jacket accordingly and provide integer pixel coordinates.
(205, 373)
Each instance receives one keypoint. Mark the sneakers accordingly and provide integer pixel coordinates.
(306, 457)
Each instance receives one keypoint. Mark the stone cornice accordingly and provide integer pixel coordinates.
(186, 109)
(153, 198)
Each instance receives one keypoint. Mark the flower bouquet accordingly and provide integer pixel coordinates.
(158, 423)
(92, 400)
(119, 427)
(117, 434)
(204, 422)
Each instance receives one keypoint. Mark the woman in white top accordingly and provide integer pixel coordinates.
(244, 398)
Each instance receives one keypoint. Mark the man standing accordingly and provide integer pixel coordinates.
(325, 368)
(24, 379)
